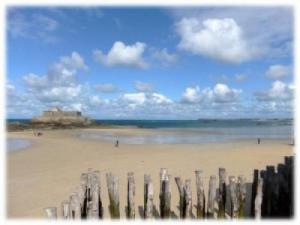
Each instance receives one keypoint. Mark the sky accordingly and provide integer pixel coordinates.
(151, 62)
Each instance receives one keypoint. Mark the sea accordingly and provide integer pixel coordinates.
(193, 131)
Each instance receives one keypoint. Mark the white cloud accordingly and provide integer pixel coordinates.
(135, 98)
(61, 94)
(142, 98)
(191, 95)
(221, 93)
(159, 99)
(123, 55)
(270, 29)
(61, 73)
(73, 62)
(164, 57)
(278, 71)
(95, 100)
(278, 92)
(32, 26)
(220, 39)
(143, 87)
(35, 81)
(106, 88)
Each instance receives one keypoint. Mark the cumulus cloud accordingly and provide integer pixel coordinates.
(278, 71)
(270, 30)
(61, 73)
(278, 92)
(123, 55)
(164, 57)
(220, 39)
(135, 98)
(191, 95)
(106, 88)
(141, 98)
(221, 93)
(61, 94)
(143, 87)
(59, 85)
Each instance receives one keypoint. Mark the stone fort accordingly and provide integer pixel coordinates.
(58, 115)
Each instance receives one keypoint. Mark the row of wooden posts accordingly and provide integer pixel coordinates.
(271, 195)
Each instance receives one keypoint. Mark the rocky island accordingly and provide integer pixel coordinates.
(53, 119)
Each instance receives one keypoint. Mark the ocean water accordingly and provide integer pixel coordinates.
(196, 131)
(193, 131)
(16, 144)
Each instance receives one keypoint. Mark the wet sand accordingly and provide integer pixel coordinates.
(45, 173)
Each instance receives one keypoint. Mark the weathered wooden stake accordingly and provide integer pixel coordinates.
(200, 194)
(65, 209)
(241, 195)
(188, 206)
(75, 208)
(258, 198)
(82, 193)
(165, 194)
(148, 197)
(253, 192)
(212, 204)
(233, 197)
(130, 196)
(180, 187)
(51, 213)
(113, 192)
(222, 193)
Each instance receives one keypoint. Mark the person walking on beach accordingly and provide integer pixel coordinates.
(117, 144)
(258, 140)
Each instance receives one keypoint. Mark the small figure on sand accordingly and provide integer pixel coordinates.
(258, 140)
(117, 143)
(38, 134)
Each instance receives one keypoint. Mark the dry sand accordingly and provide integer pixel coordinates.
(45, 174)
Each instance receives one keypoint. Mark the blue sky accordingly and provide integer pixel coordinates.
(151, 63)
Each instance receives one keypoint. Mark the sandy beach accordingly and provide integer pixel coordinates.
(45, 173)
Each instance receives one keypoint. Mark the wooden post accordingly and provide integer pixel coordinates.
(113, 192)
(148, 197)
(241, 194)
(188, 206)
(212, 206)
(82, 193)
(97, 202)
(200, 194)
(270, 170)
(258, 198)
(180, 187)
(130, 196)
(289, 162)
(233, 197)
(51, 213)
(222, 193)
(275, 188)
(75, 208)
(165, 194)
(253, 192)
(65, 209)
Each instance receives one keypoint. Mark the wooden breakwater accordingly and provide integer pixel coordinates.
(271, 195)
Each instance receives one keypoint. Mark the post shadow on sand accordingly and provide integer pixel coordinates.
(155, 213)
